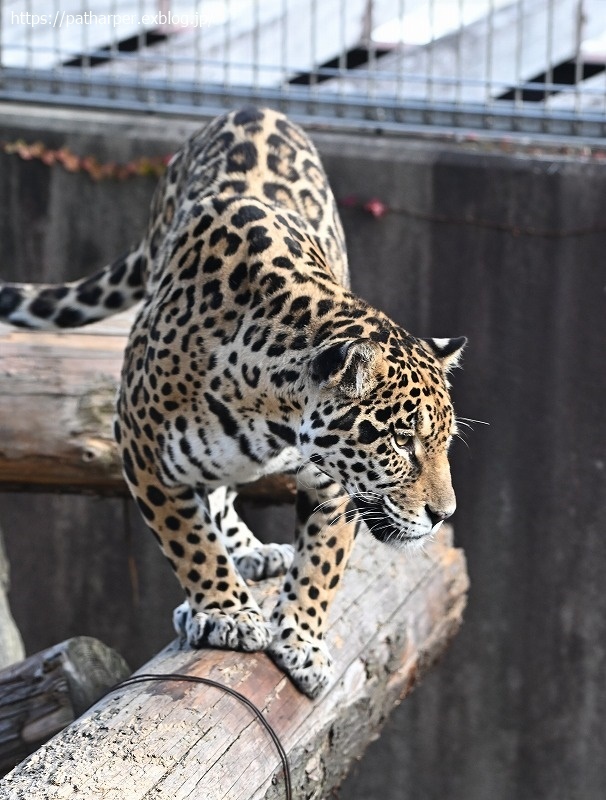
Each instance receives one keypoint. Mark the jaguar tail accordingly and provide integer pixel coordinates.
(114, 288)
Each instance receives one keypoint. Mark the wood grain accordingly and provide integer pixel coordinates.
(395, 614)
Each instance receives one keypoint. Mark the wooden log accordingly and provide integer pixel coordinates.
(56, 407)
(47, 691)
(394, 615)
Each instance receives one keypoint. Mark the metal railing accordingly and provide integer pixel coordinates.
(531, 66)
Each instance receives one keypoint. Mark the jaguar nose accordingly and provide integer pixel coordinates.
(436, 516)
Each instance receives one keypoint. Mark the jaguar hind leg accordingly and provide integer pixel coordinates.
(254, 560)
(264, 561)
(239, 630)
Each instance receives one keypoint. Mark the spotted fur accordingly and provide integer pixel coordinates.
(249, 355)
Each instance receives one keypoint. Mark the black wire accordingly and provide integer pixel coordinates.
(135, 679)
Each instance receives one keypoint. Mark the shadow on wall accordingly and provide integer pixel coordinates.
(509, 251)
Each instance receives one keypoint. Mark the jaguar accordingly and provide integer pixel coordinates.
(249, 355)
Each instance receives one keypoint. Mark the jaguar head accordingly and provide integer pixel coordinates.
(380, 422)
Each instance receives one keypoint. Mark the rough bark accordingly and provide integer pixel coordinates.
(56, 407)
(394, 615)
(47, 691)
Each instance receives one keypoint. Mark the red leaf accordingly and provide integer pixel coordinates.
(376, 208)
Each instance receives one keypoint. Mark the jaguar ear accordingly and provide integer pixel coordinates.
(447, 351)
(348, 366)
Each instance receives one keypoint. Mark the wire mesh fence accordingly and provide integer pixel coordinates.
(536, 66)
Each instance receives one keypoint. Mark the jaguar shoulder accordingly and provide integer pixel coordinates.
(250, 355)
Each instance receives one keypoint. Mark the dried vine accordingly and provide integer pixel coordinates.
(97, 171)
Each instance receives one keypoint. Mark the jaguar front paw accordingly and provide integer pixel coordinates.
(303, 658)
(265, 561)
(244, 629)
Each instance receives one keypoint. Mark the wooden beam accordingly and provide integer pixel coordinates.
(56, 407)
(395, 614)
(42, 694)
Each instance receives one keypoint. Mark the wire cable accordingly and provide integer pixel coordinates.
(173, 676)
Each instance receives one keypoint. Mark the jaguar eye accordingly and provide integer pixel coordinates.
(403, 442)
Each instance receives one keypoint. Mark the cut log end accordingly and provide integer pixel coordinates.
(42, 694)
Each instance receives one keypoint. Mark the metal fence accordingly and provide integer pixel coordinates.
(535, 66)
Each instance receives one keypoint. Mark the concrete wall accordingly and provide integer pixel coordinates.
(507, 248)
